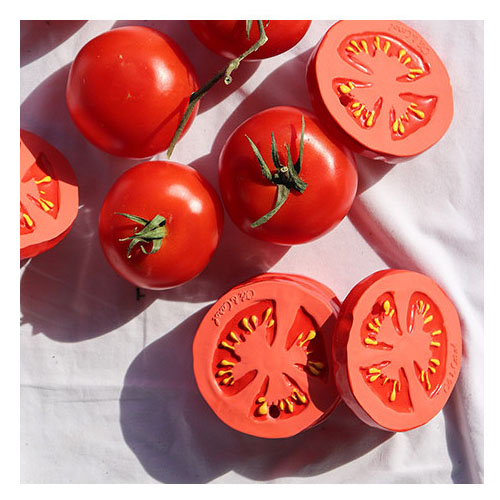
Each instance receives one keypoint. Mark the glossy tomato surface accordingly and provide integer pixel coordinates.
(397, 349)
(381, 88)
(261, 355)
(193, 224)
(128, 89)
(328, 168)
(48, 196)
(229, 38)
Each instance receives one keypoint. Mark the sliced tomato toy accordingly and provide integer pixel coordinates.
(229, 38)
(381, 88)
(397, 349)
(128, 89)
(160, 224)
(48, 197)
(261, 355)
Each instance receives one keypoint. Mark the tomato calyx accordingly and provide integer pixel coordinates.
(286, 177)
(224, 73)
(154, 231)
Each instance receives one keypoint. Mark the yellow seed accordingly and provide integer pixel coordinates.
(350, 49)
(246, 324)
(376, 42)
(234, 337)
(436, 332)
(428, 319)
(402, 52)
(377, 321)
(351, 84)
(261, 399)
(386, 46)
(289, 405)
(427, 306)
(28, 220)
(344, 89)
(372, 327)
(420, 305)
(387, 307)
(369, 121)
(47, 178)
(226, 345)
(391, 314)
(422, 374)
(416, 70)
(310, 336)
(417, 112)
(435, 361)
(45, 204)
(355, 45)
(317, 364)
(401, 127)
(225, 362)
(407, 60)
(373, 370)
(432, 369)
(364, 45)
(254, 321)
(228, 381)
(374, 377)
(369, 341)
(302, 398)
(282, 405)
(262, 409)
(395, 125)
(271, 323)
(427, 381)
(355, 105)
(358, 112)
(436, 344)
(267, 314)
(313, 370)
(392, 397)
(221, 373)
(411, 76)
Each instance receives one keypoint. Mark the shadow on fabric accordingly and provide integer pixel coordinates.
(178, 439)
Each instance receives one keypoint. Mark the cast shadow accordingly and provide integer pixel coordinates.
(69, 292)
(178, 439)
(205, 62)
(40, 37)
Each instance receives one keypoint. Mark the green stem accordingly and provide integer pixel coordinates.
(224, 73)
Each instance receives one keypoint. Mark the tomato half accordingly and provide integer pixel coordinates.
(229, 38)
(381, 88)
(261, 356)
(160, 224)
(128, 89)
(327, 169)
(397, 349)
(49, 195)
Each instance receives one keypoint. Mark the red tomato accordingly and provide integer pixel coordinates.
(261, 355)
(229, 38)
(381, 88)
(49, 195)
(327, 168)
(128, 89)
(186, 232)
(397, 349)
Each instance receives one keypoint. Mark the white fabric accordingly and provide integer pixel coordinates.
(107, 389)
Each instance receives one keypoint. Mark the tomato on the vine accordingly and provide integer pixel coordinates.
(283, 180)
(128, 89)
(229, 38)
(48, 196)
(381, 87)
(160, 224)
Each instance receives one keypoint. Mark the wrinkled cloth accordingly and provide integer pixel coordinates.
(107, 391)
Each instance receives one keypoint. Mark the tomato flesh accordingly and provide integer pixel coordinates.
(397, 349)
(381, 87)
(262, 356)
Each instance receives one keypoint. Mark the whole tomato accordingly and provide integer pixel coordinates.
(229, 38)
(283, 180)
(128, 89)
(160, 224)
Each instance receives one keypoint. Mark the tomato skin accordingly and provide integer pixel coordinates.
(228, 38)
(194, 221)
(328, 169)
(49, 195)
(127, 91)
(392, 69)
